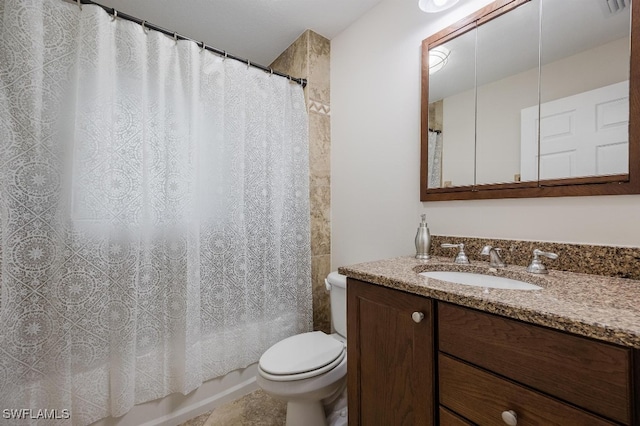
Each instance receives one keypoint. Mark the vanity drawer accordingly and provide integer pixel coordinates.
(481, 397)
(593, 375)
(448, 418)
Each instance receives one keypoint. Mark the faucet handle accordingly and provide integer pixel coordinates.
(536, 266)
(461, 257)
(548, 254)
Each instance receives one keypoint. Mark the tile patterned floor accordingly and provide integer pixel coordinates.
(254, 409)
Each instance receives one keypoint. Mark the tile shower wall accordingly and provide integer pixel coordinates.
(308, 57)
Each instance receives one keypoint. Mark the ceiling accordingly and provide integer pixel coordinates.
(258, 30)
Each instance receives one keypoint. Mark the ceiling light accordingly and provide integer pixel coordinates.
(438, 58)
(433, 6)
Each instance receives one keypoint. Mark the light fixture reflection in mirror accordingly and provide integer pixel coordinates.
(438, 58)
(435, 6)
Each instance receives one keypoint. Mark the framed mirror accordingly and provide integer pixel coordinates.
(532, 98)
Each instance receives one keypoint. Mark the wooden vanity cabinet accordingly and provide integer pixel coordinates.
(390, 356)
(479, 366)
(514, 358)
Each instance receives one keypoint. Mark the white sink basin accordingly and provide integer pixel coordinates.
(479, 280)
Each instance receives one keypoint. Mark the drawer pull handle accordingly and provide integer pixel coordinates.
(417, 316)
(510, 418)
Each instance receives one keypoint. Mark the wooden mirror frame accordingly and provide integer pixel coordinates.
(590, 185)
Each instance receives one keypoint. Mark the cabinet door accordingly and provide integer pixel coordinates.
(390, 356)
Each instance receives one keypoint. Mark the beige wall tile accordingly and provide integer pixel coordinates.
(320, 268)
(320, 206)
(319, 181)
(319, 144)
(319, 68)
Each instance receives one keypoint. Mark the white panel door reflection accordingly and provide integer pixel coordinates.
(581, 135)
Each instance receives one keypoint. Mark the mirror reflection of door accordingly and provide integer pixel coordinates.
(584, 88)
(580, 135)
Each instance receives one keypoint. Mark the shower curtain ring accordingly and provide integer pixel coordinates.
(203, 47)
(271, 71)
(175, 37)
(248, 64)
(115, 15)
(144, 28)
(225, 55)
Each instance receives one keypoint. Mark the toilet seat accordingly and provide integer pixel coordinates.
(301, 356)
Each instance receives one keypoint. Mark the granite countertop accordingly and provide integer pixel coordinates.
(595, 306)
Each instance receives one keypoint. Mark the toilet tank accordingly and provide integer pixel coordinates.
(337, 285)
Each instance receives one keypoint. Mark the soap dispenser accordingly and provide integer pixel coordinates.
(423, 240)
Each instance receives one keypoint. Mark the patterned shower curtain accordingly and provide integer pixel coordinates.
(154, 213)
(434, 160)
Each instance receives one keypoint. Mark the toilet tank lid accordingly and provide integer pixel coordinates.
(334, 278)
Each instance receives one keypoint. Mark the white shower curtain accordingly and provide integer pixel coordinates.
(154, 213)
(434, 159)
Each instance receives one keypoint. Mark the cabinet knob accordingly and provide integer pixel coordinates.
(417, 316)
(510, 418)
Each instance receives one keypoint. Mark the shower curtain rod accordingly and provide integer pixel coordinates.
(176, 36)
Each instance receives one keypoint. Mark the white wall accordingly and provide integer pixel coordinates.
(375, 109)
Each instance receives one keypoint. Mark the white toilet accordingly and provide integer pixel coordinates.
(309, 369)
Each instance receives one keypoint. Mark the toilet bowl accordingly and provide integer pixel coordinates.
(309, 369)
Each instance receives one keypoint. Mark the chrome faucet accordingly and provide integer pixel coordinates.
(495, 259)
(461, 257)
(536, 266)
